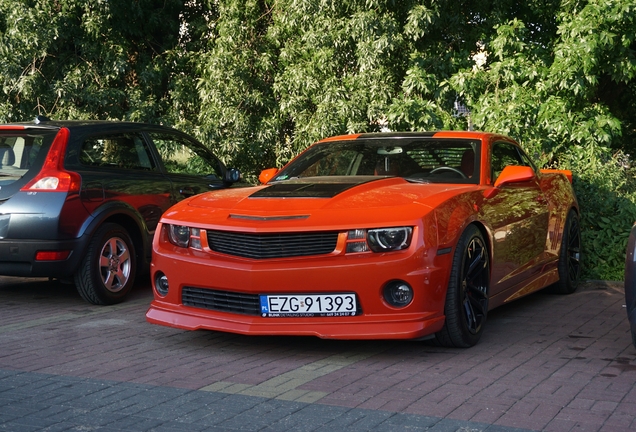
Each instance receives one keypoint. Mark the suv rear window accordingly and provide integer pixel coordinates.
(18, 150)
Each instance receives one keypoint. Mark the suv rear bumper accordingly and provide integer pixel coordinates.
(17, 257)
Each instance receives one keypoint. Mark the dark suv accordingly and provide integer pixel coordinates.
(80, 200)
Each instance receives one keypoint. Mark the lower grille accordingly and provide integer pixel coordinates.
(278, 245)
(224, 301)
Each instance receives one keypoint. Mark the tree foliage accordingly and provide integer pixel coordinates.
(259, 80)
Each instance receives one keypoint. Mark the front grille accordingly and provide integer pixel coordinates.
(279, 245)
(225, 301)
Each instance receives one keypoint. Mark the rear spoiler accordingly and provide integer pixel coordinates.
(22, 127)
(566, 173)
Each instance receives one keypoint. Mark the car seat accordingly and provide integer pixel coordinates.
(7, 157)
(467, 164)
(387, 167)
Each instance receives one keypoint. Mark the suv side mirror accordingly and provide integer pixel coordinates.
(232, 175)
(514, 174)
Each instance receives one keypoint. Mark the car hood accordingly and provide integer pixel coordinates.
(316, 203)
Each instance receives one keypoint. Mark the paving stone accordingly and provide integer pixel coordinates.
(562, 363)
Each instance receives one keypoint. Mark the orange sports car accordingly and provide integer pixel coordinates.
(370, 236)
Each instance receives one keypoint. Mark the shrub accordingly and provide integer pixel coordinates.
(605, 185)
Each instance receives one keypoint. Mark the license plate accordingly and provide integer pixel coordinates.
(308, 305)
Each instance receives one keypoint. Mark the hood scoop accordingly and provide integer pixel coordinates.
(310, 189)
(267, 218)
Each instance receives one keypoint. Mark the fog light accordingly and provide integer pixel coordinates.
(161, 284)
(398, 293)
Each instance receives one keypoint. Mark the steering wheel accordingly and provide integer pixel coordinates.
(455, 170)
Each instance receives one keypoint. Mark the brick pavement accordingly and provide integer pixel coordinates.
(546, 362)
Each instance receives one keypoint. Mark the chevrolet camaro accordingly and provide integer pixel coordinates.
(370, 236)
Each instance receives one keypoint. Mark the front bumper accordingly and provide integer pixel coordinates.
(395, 326)
(364, 274)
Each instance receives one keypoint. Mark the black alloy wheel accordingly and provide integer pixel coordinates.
(569, 256)
(466, 306)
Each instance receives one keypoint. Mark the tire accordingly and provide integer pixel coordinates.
(466, 305)
(107, 272)
(569, 257)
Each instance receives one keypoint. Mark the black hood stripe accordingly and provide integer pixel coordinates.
(301, 189)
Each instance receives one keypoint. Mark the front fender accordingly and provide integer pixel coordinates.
(454, 216)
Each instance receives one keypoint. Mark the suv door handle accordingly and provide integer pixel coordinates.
(186, 192)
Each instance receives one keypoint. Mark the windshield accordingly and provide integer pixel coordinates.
(419, 160)
(18, 150)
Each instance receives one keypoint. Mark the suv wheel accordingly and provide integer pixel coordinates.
(107, 272)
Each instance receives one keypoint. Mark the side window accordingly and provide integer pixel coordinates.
(504, 154)
(182, 156)
(526, 161)
(128, 151)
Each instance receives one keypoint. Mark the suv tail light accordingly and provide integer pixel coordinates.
(53, 177)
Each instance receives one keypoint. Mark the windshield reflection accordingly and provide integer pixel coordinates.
(418, 160)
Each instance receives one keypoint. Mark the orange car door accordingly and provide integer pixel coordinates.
(519, 217)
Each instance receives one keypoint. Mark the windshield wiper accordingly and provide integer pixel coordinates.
(416, 180)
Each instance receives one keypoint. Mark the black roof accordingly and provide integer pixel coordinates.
(79, 125)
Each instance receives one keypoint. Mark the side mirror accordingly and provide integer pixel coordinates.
(267, 174)
(232, 175)
(514, 174)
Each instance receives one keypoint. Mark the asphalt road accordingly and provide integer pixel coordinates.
(545, 362)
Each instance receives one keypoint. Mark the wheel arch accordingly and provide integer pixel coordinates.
(487, 238)
(483, 229)
(451, 225)
(575, 208)
(457, 234)
(134, 231)
(127, 217)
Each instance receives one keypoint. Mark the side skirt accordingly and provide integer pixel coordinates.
(526, 287)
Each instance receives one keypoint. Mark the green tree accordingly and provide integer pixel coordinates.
(571, 103)
(260, 80)
(89, 59)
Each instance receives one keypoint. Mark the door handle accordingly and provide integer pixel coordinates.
(186, 192)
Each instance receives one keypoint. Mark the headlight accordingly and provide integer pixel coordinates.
(184, 236)
(179, 235)
(389, 239)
